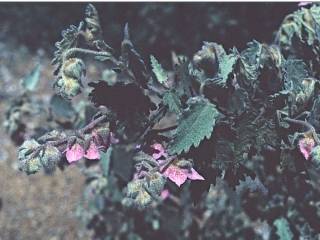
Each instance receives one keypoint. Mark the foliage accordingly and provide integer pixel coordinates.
(237, 132)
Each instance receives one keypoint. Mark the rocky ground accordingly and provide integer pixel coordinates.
(38, 206)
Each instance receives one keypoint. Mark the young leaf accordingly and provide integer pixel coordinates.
(69, 40)
(283, 229)
(295, 71)
(157, 69)
(195, 123)
(226, 65)
(132, 59)
(31, 81)
(172, 100)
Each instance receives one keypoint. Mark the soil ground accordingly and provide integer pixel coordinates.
(37, 206)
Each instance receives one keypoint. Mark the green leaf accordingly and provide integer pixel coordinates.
(105, 158)
(226, 66)
(295, 71)
(194, 124)
(69, 40)
(30, 82)
(249, 62)
(172, 101)
(283, 229)
(62, 109)
(157, 69)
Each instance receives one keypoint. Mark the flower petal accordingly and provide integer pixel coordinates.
(75, 153)
(160, 151)
(176, 175)
(304, 3)
(194, 175)
(92, 152)
(305, 146)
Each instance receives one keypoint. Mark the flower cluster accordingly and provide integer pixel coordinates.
(55, 146)
(178, 171)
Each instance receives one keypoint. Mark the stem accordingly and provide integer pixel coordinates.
(91, 125)
(73, 51)
(308, 126)
(166, 164)
(159, 114)
(165, 129)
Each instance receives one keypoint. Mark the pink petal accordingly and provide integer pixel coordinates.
(75, 153)
(194, 175)
(160, 151)
(165, 194)
(176, 175)
(304, 3)
(92, 152)
(306, 145)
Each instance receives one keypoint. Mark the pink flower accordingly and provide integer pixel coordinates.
(304, 3)
(306, 145)
(165, 194)
(180, 175)
(160, 151)
(75, 153)
(92, 152)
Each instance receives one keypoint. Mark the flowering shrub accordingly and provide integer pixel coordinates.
(177, 154)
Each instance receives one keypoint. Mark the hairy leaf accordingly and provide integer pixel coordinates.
(69, 40)
(157, 69)
(30, 82)
(195, 124)
(283, 229)
(172, 100)
(295, 71)
(226, 66)
(133, 60)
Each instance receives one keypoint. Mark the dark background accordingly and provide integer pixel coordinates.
(156, 28)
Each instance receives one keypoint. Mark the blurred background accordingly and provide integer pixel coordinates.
(43, 207)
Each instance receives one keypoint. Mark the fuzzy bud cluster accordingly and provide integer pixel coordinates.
(31, 159)
(69, 82)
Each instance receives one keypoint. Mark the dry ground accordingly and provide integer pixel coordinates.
(38, 206)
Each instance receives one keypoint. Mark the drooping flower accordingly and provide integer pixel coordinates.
(75, 153)
(160, 151)
(92, 152)
(305, 146)
(180, 175)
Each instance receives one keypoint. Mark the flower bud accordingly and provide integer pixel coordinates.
(156, 183)
(134, 187)
(50, 158)
(73, 68)
(143, 199)
(206, 58)
(27, 162)
(68, 87)
(69, 81)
